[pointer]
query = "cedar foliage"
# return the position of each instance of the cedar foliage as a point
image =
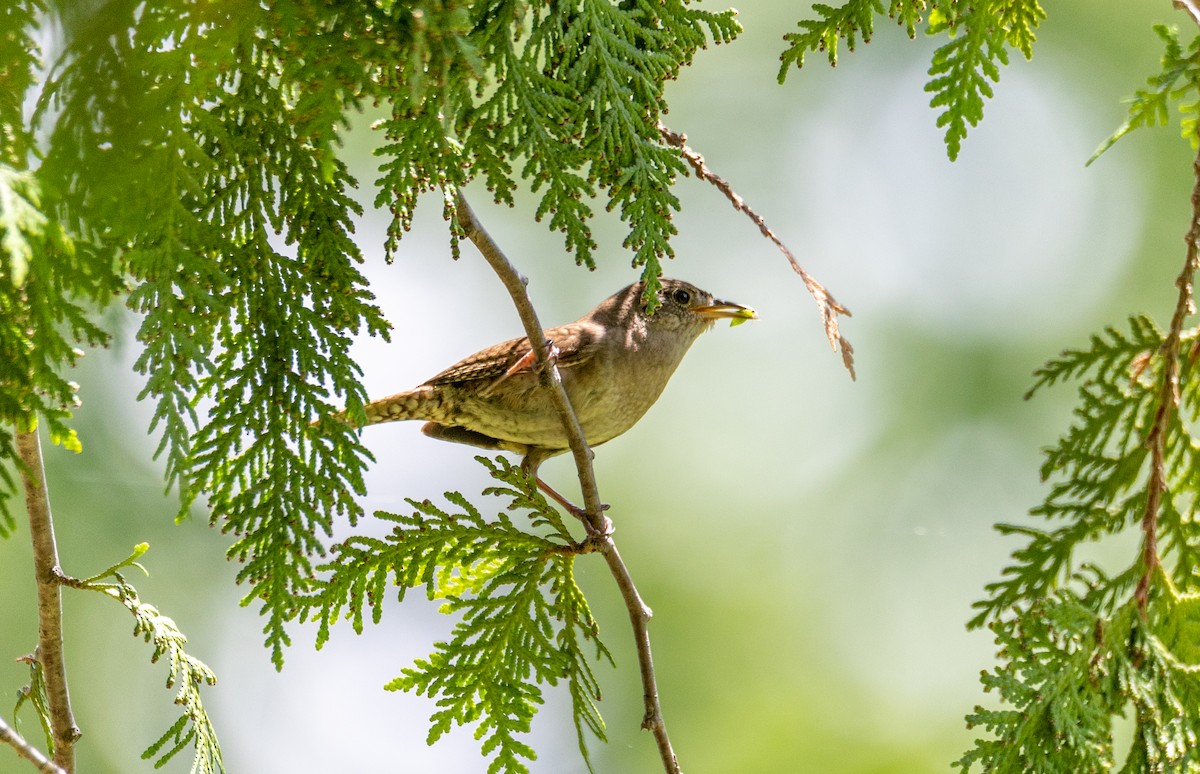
(226, 223)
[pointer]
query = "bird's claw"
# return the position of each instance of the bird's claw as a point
(606, 526)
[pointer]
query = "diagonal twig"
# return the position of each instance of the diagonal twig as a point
(599, 540)
(9, 736)
(826, 303)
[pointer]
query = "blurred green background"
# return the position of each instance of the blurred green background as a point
(811, 546)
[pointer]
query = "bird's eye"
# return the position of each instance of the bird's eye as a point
(681, 296)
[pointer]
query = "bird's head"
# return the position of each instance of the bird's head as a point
(683, 307)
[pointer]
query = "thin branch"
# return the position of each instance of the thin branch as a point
(639, 613)
(9, 736)
(1168, 399)
(826, 303)
(64, 732)
(515, 284)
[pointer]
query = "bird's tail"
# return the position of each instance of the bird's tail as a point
(420, 403)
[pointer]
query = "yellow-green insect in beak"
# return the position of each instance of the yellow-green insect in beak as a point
(726, 310)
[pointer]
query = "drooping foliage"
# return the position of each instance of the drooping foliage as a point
(1079, 643)
(963, 68)
(189, 162)
(523, 622)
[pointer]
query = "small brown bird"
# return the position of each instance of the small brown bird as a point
(614, 361)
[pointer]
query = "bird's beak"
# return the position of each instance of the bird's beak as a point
(722, 310)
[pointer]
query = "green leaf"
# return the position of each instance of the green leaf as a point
(236, 217)
(1020, 20)
(962, 69)
(1075, 647)
(1061, 675)
(522, 620)
(187, 673)
(22, 58)
(1151, 107)
(848, 22)
(35, 694)
(50, 286)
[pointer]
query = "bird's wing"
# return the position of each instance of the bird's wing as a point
(574, 344)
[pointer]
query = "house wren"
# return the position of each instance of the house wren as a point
(614, 361)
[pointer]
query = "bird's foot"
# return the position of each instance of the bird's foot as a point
(596, 537)
(606, 526)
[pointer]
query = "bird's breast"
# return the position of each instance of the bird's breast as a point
(610, 397)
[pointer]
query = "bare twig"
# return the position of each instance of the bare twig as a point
(9, 736)
(826, 303)
(64, 732)
(1168, 399)
(639, 613)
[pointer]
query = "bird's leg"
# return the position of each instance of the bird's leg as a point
(578, 512)
(530, 464)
